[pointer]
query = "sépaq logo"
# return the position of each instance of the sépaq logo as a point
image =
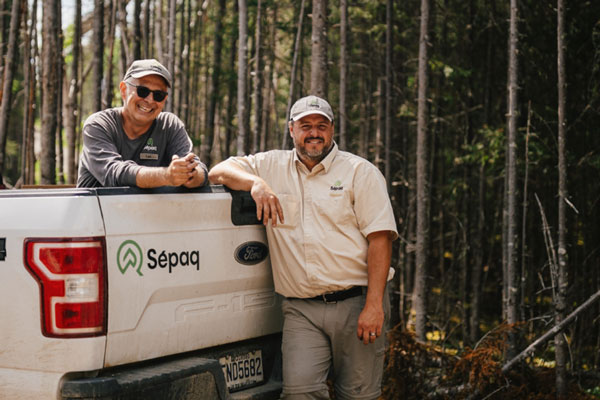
(130, 255)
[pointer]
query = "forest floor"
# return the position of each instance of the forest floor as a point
(422, 371)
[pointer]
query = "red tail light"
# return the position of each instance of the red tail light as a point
(72, 278)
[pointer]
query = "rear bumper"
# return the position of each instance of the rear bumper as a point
(192, 377)
(196, 375)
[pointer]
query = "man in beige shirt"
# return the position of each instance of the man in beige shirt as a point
(330, 227)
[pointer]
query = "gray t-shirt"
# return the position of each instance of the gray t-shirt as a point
(110, 158)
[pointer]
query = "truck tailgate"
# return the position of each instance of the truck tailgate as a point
(32, 364)
(182, 276)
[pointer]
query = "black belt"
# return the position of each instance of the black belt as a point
(334, 297)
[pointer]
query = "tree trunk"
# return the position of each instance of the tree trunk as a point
(126, 55)
(214, 86)
(50, 55)
(318, 65)
(231, 92)
(379, 123)
(137, 31)
(98, 53)
(170, 106)
(71, 103)
(185, 104)
(512, 314)
(146, 34)
(343, 72)
(560, 305)
(389, 84)
(286, 133)
(60, 68)
(420, 289)
(269, 102)
(181, 67)
(108, 85)
(242, 140)
(258, 80)
(28, 103)
(10, 62)
(159, 31)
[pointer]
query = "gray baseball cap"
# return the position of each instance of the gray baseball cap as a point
(311, 105)
(140, 68)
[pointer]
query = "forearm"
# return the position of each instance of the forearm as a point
(151, 177)
(372, 317)
(379, 257)
(232, 175)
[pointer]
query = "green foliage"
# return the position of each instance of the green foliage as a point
(595, 391)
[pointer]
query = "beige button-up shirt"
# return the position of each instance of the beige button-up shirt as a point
(328, 213)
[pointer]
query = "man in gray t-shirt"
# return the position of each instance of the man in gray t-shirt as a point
(138, 144)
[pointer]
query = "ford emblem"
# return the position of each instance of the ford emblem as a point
(251, 253)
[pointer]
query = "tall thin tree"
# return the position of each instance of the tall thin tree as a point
(50, 88)
(10, 62)
(146, 34)
(60, 68)
(98, 52)
(389, 84)
(137, 30)
(511, 278)
(343, 72)
(258, 79)
(71, 105)
(107, 92)
(561, 298)
(214, 86)
(318, 65)
(285, 138)
(170, 106)
(29, 91)
(242, 140)
(420, 288)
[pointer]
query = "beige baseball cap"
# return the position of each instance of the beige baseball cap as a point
(311, 105)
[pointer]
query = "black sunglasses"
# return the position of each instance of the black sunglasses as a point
(143, 92)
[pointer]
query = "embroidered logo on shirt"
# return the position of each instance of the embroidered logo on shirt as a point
(150, 151)
(337, 186)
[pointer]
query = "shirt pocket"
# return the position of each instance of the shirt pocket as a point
(335, 209)
(291, 210)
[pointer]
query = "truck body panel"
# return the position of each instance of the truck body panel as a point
(181, 277)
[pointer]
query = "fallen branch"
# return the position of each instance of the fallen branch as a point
(551, 333)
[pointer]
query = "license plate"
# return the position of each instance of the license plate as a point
(242, 370)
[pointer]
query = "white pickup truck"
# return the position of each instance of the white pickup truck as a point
(123, 293)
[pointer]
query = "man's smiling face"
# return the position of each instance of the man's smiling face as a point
(142, 111)
(313, 138)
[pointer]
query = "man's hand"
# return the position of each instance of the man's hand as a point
(379, 255)
(182, 170)
(370, 323)
(267, 203)
(230, 174)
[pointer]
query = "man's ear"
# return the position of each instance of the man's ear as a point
(123, 89)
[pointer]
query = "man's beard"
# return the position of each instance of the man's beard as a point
(314, 155)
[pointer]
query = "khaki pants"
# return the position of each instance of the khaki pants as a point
(320, 341)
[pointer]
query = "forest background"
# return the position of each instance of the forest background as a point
(482, 115)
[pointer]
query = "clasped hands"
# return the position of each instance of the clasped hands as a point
(182, 170)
